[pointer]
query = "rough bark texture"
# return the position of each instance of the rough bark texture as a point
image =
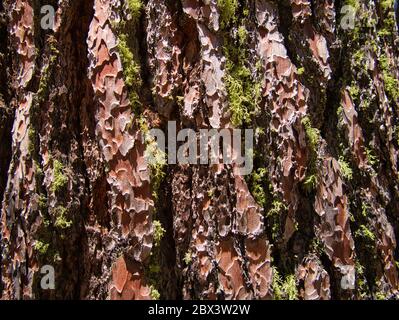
(317, 218)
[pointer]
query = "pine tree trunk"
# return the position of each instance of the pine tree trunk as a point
(317, 218)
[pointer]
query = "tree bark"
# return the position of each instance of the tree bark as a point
(318, 216)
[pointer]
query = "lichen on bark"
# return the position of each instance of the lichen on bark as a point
(317, 218)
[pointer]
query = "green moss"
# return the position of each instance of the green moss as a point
(130, 68)
(365, 209)
(46, 71)
(354, 91)
(32, 139)
(159, 232)
(273, 217)
(154, 293)
(188, 257)
(312, 134)
(131, 71)
(354, 33)
(391, 86)
(237, 98)
(61, 220)
(284, 289)
(371, 157)
(317, 246)
(365, 233)
(301, 71)
(135, 7)
(242, 35)
(156, 160)
(155, 157)
(41, 247)
(391, 83)
(388, 22)
(153, 270)
(289, 287)
(42, 203)
(310, 183)
(362, 287)
(243, 91)
(257, 183)
(379, 295)
(386, 4)
(346, 170)
(227, 10)
(353, 3)
(60, 180)
(313, 140)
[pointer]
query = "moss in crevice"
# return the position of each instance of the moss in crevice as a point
(257, 186)
(284, 288)
(372, 159)
(135, 8)
(227, 10)
(188, 257)
(127, 44)
(131, 72)
(346, 170)
(41, 247)
(390, 81)
(387, 24)
(61, 220)
(59, 179)
(313, 140)
(153, 270)
(159, 232)
(242, 80)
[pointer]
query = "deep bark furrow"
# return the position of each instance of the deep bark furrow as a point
(316, 218)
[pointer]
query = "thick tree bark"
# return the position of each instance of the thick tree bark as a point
(317, 218)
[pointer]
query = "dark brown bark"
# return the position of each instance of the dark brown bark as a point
(317, 218)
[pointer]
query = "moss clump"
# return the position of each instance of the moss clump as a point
(353, 3)
(300, 71)
(361, 283)
(240, 100)
(365, 209)
(313, 139)
(365, 233)
(156, 160)
(312, 134)
(371, 157)
(154, 293)
(257, 188)
(131, 71)
(42, 202)
(61, 220)
(159, 232)
(273, 216)
(244, 92)
(284, 289)
(358, 57)
(188, 257)
(154, 269)
(310, 182)
(135, 7)
(354, 91)
(379, 295)
(41, 247)
(388, 23)
(60, 180)
(242, 35)
(32, 139)
(391, 83)
(346, 170)
(227, 10)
